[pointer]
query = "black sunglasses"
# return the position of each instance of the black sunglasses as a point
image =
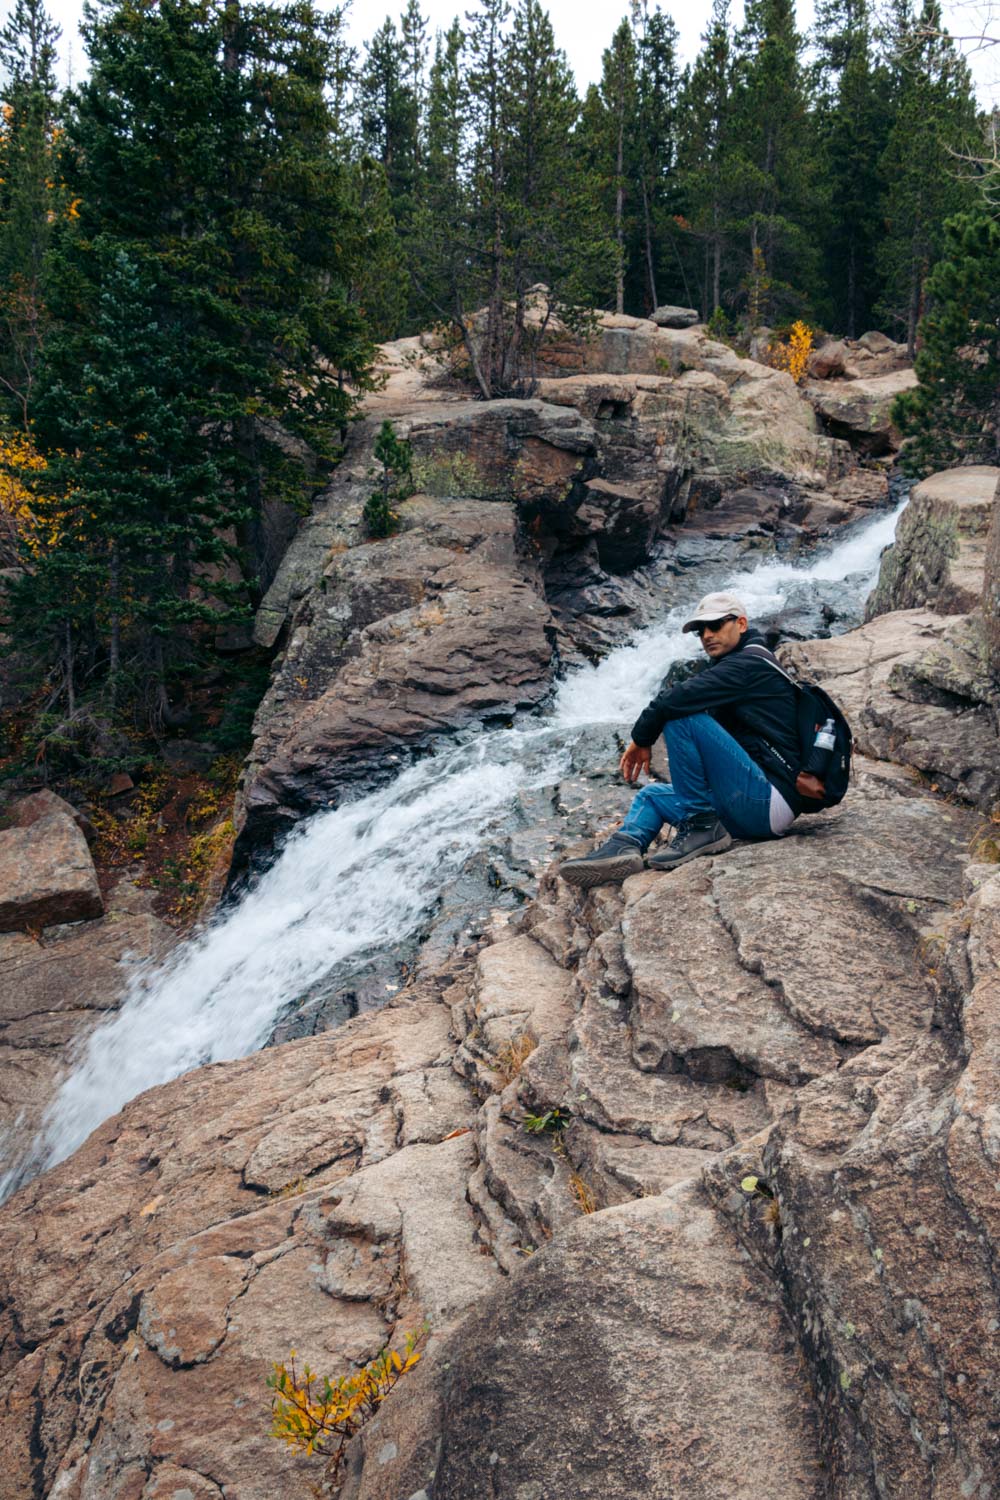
(713, 625)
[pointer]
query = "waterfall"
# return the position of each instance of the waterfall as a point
(369, 872)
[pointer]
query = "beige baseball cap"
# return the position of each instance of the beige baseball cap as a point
(715, 607)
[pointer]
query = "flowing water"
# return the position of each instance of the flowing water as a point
(370, 872)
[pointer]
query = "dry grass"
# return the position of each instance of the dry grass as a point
(290, 1190)
(585, 1200)
(513, 1055)
(985, 848)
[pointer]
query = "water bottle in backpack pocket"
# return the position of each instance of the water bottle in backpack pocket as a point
(825, 739)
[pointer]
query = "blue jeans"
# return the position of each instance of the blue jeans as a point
(711, 773)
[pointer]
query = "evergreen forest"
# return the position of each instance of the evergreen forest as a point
(203, 241)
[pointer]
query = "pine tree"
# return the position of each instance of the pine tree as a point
(935, 118)
(619, 95)
(413, 28)
(775, 159)
(130, 508)
(707, 178)
(484, 91)
(854, 124)
(438, 257)
(199, 148)
(29, 198)
(953, 415)
(658, 85)
(389, 115)
(380, 285)
(547, 206)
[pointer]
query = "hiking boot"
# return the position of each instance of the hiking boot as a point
(702, 834)
(620, 857)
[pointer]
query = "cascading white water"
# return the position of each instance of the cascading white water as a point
(369, 872)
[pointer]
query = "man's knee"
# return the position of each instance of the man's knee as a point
(692, 724)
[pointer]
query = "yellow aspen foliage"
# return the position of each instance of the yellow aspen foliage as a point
(18, 521)
(311, 1414)
(793, 354)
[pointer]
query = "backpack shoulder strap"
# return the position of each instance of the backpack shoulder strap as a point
(761, 653)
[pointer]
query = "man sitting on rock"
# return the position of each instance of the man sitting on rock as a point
(732, 741)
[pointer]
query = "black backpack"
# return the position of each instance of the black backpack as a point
(815, 706)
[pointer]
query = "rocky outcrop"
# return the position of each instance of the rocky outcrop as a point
(399, 642)
(938, 556)
(610, 1310)
(46, 874)
(917, 691)
(514, 552)
(872, 355)
(54, 988)
(859, 410)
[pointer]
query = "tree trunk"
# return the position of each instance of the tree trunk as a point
(650, 262)
(716, 259)
(70, 668)
(620, 214)
(991, 592)
(114, 649)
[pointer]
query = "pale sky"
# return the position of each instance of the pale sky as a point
(583, 28)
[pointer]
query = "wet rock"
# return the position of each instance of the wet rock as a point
(813, 610)
(938, 556)
(46, 875)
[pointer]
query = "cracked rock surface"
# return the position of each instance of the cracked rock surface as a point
(610, 1311)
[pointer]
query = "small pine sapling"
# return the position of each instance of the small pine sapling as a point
(394, 482)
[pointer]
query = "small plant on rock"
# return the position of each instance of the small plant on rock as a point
(553, 1121)
(316, 1415)
(394, 482)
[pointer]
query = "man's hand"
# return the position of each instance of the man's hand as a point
(808, 785)
(634, 760)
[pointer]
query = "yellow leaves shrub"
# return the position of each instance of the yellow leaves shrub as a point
(793, 354)
(316, 1415)
(17, 518)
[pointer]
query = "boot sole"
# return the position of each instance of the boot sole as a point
(659, 862)
(587, 872)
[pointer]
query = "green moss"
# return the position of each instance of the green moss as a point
(453, 475)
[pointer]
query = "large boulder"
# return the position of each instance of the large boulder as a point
(53, 991)
(400, 641)
(46, 875)
(938, 556)
(827, 362)
(860, 410)
(674, 317)
(916, 689)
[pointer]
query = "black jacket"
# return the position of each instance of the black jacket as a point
(756, 704)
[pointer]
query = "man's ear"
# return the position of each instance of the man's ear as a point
(743, 623)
